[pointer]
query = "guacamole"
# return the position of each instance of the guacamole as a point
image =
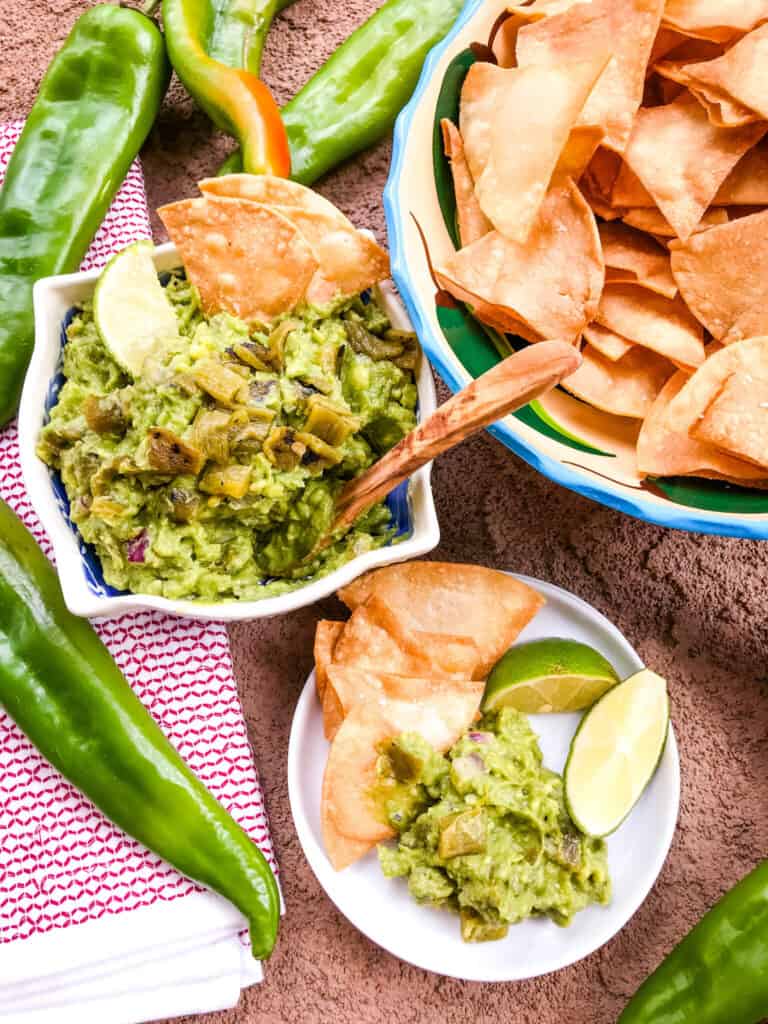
(217, 468)
(483, 830)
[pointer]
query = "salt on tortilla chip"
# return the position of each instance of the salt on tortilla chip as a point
(440, 718)
(747, 184)
(663, 451)
(721, 274)
(349, 260)
(452, 601)
(624, 28)
(606, 342)
(749, 357)
(736, 420)
(538, 104)
(366, 644)
(472, 222)
(664, 325)
(631, 256)
(655, 223)
(741, 73)
(719, 20)
(682, 159)
(551, 283)
(353, 686)
(326, 635)
(626, 387)
(243, 257)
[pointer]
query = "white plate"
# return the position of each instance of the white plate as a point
(382, 908)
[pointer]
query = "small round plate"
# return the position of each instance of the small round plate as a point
(429, 938)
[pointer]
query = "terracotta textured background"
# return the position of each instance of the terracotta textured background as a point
(694, 607)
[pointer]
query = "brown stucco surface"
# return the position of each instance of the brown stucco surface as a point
(694, 607)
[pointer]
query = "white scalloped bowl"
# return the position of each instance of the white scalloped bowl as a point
(85, 591)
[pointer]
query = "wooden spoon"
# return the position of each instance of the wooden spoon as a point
(511, 384)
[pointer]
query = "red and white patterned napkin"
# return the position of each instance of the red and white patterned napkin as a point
(63, 867)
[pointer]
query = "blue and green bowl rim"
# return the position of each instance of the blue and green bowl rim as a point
(436, 346)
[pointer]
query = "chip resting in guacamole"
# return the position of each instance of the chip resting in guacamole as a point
(217, 466)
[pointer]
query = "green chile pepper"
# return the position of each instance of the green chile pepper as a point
(237, 31)
(58, 682)
(354, 98)
(719, 972)
(96, 105)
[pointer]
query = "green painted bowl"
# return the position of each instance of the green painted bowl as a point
(579, 447)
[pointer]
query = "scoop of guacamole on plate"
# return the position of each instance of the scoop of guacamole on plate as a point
(216, 468)
(483, 830)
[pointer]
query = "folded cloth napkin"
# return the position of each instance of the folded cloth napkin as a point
(94, 927)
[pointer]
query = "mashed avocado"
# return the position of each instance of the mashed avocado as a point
(218, 466)
(484, 831)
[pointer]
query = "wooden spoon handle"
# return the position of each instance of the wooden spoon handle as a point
(514, 382)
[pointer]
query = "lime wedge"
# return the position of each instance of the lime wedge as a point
(549, 675)
(130, 307)
(615, 753)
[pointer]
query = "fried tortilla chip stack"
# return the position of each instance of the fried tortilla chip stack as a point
(611, 182)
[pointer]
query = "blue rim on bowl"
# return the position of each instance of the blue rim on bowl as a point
(560, 437)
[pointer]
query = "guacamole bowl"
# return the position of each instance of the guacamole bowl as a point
(86, 592)
(575, 445)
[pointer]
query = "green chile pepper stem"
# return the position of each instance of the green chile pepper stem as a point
(58, 682)
(354, 98)
(718, 974)
(96, 105)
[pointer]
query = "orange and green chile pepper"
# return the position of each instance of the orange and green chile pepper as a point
(59, 683)
(234, 98)
(719, 972)
(353, 100)
(96, 105)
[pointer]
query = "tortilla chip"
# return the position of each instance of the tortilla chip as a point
(626, 387)
(447, 601)
(352, 686)
(540, 8)
(349, 261)
(333, 712)
(655, 223)
(624, 28)
(472, 222)
(598, 180)
(747, 184)
(607, 343)
(366, 644)
(628, 191)
(663, 451)
(326, 635)
(551, 283)
(631, 256)
(579, 151)
(682, 159)
(736, 420)
(243, 258)
(666, 40)
(748, 357)
(653, 321)
(741, 74)
(722, 110)
(341, 851)
(538, 104)
(440, 717)
(721, 274)
(272, 191)
(720, 20)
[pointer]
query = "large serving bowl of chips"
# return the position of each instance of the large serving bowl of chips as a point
(565, 435)
(414, 522)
